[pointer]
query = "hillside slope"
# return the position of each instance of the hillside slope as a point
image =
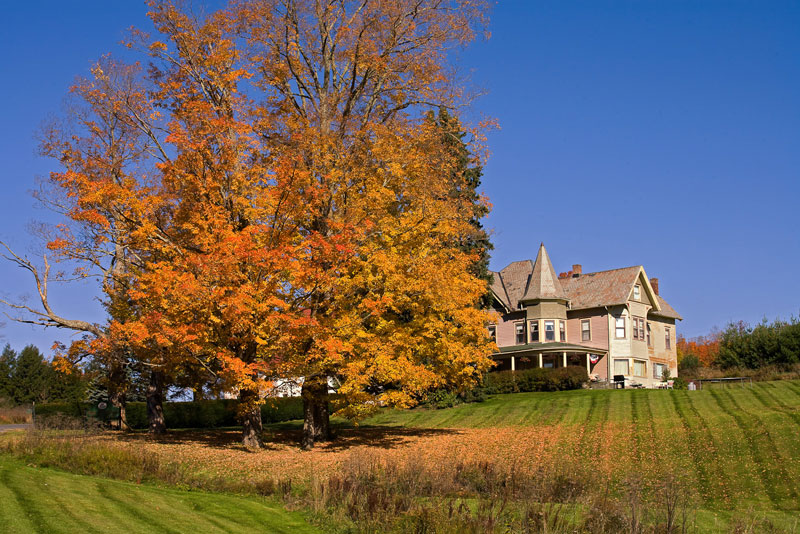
(739, 446)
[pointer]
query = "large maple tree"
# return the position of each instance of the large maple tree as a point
(282, 206)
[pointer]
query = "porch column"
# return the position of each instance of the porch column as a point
(565, 359)
(540, 360)
(588, 364)
(513, 364)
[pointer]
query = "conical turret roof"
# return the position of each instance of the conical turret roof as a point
(544, 284)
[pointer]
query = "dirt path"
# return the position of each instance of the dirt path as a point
(3, 428)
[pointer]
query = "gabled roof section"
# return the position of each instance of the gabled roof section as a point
(666, 310)
(499, 290)
(544, 284)
(606, 288)
(515, 278)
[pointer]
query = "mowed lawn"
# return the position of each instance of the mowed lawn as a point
(740, 446)
(43, 500)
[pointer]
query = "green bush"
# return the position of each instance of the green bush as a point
(442, 398)
(200, 414)
(689, 364)
(540, 379)
(679, 383)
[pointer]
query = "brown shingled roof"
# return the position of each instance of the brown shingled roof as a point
(605, 288)
(515, 278)
(543, 283)
(666, 310)
(590, 290)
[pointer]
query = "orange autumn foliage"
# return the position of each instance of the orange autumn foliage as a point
(282, 205)
(705, 348)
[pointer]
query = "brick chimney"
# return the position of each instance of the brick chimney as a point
(654, 283)
(577, 270)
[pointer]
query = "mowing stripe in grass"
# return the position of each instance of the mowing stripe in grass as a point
(109, 492)
(763, 470)
(654, 451)
(778, 406)
(29, 505)
(13, 514)
(65, 519)
(694, 448)
(761, 431)
(637, 442)
(794, 387)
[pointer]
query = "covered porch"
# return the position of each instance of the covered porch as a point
(548, 355)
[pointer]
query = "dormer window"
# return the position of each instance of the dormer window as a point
(637, 292)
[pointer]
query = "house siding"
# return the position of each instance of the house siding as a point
(598, 324)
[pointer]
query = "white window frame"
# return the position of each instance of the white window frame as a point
(667, 338)
(493, 332)
(637, 292)
(586, 333)
(551, 332)
(617, 321)
(562, 331)
(531, 326)
(519, 328)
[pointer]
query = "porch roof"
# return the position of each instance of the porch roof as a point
(549, 347)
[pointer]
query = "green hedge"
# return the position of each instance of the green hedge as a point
(540, 379)
(200, 414)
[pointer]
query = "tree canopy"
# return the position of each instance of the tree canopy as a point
(268, 198)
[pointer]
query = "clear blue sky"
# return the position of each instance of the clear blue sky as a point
(665, 134)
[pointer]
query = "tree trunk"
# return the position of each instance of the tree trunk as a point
(118, 400)
(316, 419)
(251, 420)
(155, 400)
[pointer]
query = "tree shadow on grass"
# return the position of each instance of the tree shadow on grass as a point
(279, 436)
(347, 437)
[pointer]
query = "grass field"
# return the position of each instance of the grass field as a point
(740, 445)
(738, 450)
(40, 500)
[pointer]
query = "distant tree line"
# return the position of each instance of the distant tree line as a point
(27, 377)
(745, 346)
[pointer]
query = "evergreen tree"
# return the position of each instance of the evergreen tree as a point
(478, 241)
(7, 361)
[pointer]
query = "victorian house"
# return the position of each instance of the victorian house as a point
(613, 322)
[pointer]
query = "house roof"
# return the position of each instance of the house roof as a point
(521, 281)
(550, 347)
(514, 278)
(604, 288)
(666, 310)
(543, 282)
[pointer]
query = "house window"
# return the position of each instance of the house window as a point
(586, 330)
(638, 328)
(534, 329)
(640, 368)
(562, 330)
(658, 370)
(649, 340)
(520, 329)
(549, 330)
(621, 367)
(667, 339)
(619, 328)
(493, 332)
(637, 292)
